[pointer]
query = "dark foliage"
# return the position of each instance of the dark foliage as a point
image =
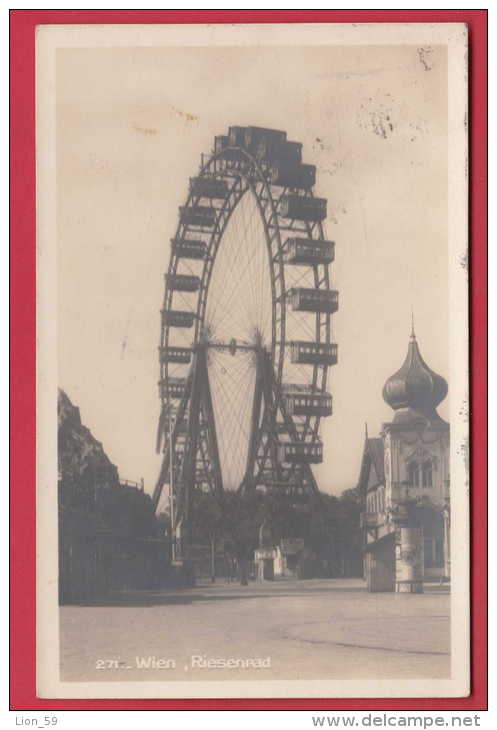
(330, 526)
(108, 532)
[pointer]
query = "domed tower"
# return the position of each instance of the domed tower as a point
(416, 453)
(415, 390)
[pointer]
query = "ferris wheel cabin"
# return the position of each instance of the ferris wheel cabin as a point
(197, 215)
(189, 248)
(172, 388)
(298, 452)
(236, 136)
(269, 147)
(178, 355)
(220, 143)
(208, 187)
(293, 176)
(313, 353)
(254, 137)
(270, 144)
(183, 282)
(299, 251)
(288, 153)
(312, 210)
(299, 403)
(313, 300)
(175, 318)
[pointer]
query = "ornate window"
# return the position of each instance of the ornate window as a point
(427, 474)
(413, 474)
(420, 474)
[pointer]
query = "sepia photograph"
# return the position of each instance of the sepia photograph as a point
(253, 438)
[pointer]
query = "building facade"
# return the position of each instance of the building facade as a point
(405, 482)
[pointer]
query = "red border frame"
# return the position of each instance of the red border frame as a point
(23, 331)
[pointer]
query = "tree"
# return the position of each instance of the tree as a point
(349, 533)
(208, 523)
(329, 526)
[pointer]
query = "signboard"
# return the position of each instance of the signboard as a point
(292, 545)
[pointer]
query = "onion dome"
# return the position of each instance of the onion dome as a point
(415, 391)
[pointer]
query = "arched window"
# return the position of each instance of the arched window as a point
(413, 474)
(427, 477)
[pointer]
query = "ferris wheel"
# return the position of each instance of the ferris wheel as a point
(246, 337)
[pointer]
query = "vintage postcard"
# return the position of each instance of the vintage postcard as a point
(252, 394)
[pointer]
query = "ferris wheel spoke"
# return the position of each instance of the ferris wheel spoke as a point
(253, 235)
(233, 285)
(187, 266)
(188, 304)
(235, 449)
(233, 433)
(248, 249)
(243, 241)
(254, 263)
(243, 274)
(302, 325)
(214, 301)
(238, 321)
(234, 292)
(304, 277)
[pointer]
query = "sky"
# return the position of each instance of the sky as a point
(131, 126)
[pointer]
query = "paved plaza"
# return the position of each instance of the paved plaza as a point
(316, 629)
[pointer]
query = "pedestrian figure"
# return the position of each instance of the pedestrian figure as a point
(230, 568)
